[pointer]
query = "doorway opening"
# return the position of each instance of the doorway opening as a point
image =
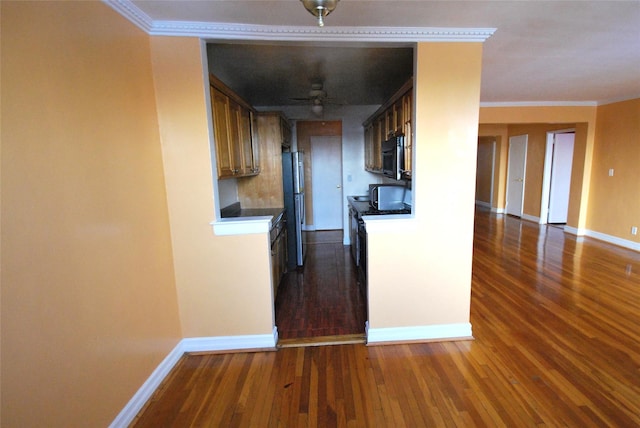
(321, 302)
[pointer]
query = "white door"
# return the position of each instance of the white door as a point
(326, 173)
(516, 174)
(561, 163)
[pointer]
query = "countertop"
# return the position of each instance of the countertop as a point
(359, 205)
(362, 205)
(235, 211)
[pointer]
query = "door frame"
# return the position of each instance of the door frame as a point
(546, 174)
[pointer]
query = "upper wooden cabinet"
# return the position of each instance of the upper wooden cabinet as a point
(392, 118)
(273, 132)
(237, 152)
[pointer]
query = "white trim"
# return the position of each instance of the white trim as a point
(529, 217)
(132, 12)
(618, 100)
(497, 210)
(230, 343)
(140, 398)
(546, 177)
(483, 204)
(539, 104)
(575, 231)
(194, 344)
(635, 246)
(242, 225)
(237, 31)
(461, 331)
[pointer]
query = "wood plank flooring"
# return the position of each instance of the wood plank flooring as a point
(322, 299)
(556, 322)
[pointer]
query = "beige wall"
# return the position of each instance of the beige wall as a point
(88, 298)
(426, 280)
(584, 117)
(223, 282)
(606, 137)
(614, 206)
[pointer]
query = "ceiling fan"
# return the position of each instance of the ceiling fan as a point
(317, 98)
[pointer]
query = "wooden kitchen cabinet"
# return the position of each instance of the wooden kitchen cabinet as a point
(407, 111)
(272, 134)
(237, 153)
(393, 117)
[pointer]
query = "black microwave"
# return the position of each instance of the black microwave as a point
(393, 157)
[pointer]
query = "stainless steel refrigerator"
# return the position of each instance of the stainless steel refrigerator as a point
(293, 186)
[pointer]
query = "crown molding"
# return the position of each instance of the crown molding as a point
(539, 104)
(132, 12)
(232, 31)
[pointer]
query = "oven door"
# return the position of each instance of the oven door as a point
(353, 236)
(362, 257)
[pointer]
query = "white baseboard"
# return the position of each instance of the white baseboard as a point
(575, 231)
(140, 398)
(440, 332)
(531, 218)
(230, 343)
(192, 344)
(497, 210)
(483, 204)
(635, 246)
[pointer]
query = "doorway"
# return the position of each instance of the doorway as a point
(556, 182)
(516, 173)
(326, 172)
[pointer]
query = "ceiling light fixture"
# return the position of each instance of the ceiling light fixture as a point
(317, 107)
(320, 8)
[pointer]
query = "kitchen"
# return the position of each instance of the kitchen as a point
(340, 117)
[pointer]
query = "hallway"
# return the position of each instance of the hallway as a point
(323, 298)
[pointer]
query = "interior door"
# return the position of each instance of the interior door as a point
(561, 164)
(516, 174)
(326, 173)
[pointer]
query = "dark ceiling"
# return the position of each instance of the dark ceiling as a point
(273, 75)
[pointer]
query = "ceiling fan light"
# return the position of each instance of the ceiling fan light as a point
(317, 109)
(320, 8)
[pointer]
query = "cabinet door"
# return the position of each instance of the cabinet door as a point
(250, 159)
(221, 131)
(379, 132)
(235, 120)
(368, 147)
(407, 109)
(285, 129)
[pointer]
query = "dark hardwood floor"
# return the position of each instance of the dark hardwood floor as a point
(322, 298)
(556, 322)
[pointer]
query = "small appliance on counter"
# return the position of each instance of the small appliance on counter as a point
(387, 197)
